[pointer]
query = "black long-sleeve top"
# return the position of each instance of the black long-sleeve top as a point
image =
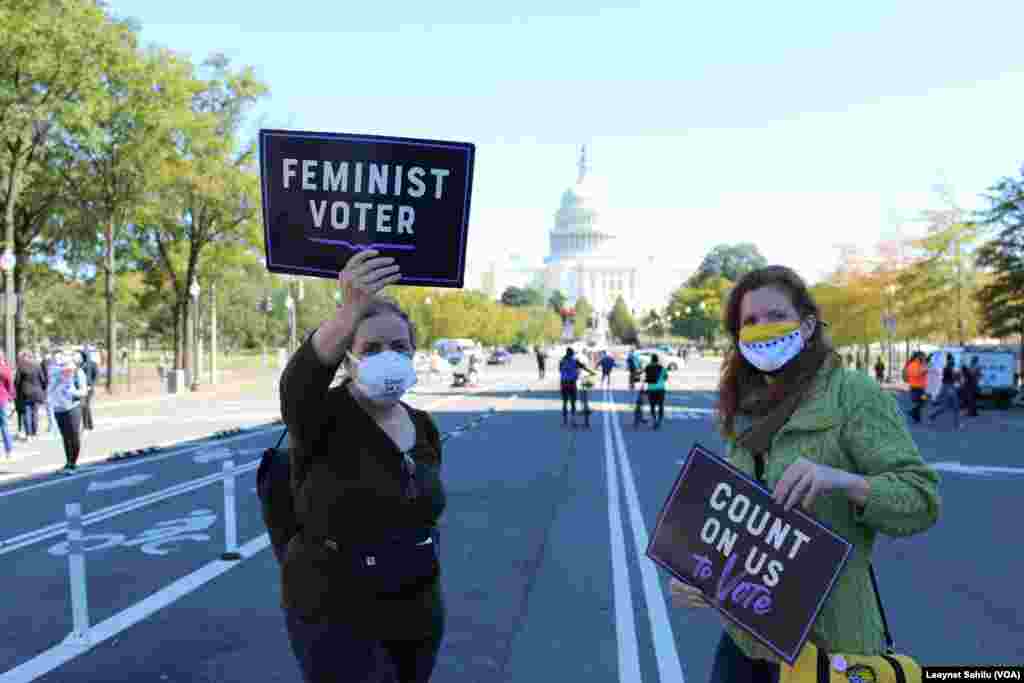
(347, 480)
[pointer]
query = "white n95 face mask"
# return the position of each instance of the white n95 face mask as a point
(384, 377)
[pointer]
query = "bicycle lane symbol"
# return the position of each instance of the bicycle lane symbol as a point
(152, 540)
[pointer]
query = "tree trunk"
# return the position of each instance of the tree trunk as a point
(186, 350)
(20, 277)
(13, 190)
(111, 322)
(179, 317)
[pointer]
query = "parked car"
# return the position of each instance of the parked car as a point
(671, 361)
(518, 348)
(500, 357)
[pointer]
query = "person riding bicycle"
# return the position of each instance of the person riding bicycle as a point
(655, 377)
(570, 367)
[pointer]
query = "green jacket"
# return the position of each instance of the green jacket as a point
(848, 422)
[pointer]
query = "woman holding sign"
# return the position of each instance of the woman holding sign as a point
(820, 436)
(360, 581)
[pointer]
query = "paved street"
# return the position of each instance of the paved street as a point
(542, 544)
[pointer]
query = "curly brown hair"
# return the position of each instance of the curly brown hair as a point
(736, 371)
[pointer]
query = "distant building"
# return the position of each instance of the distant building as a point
(587, 259)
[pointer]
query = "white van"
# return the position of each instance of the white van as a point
(997, 371)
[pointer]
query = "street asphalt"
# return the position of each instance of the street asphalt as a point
(543, 544)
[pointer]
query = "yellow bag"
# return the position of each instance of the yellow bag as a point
(814, 666)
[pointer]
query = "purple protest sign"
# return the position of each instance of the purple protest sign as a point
(327, 196)
(768, 570)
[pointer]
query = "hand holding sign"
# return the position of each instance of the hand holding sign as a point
(805, 480)
(364, 276)
(685, 595)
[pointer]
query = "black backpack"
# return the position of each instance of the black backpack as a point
(273, 486)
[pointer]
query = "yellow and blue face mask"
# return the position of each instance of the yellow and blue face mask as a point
(769, 346)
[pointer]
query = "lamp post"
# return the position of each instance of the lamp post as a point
(213, 333)
(194, 332)
(289, 303)
(7, 264)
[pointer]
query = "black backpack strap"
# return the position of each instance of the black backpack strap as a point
(283, 433)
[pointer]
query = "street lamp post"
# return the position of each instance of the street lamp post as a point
(193, 332)
(213, 334)
(7, 264)
(289, 303)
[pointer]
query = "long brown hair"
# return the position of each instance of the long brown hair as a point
(736, 371)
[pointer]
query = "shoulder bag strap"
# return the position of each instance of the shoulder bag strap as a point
(890, 644)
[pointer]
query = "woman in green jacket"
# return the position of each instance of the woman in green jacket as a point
(821, 436)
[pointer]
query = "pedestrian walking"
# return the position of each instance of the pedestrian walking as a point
(781, 381)
(30, 385)
(361, 587)
(47, 364)
(948, 398)
(916, 377)
(633, 368)
(607, 364)
(879, 370)
(655, 377)
(92, 372)
(7, 394)
(64, 395)
(542, 361)
(971, 381)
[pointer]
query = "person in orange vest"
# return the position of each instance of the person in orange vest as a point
(916, 375)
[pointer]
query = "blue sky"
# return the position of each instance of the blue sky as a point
(796, 125)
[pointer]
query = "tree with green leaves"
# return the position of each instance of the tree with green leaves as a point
(582, 320)
(729, 261)
(1001, 297)
(621, 323)
(51, 59)
(114, 157)
(557, 301)
(208, 191)
(521, 296)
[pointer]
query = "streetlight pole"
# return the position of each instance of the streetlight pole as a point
(193, 336)
(7, 263)
(213, 334)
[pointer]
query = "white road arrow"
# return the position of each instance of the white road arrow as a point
(977, 470)
(131, 480)
(213, 455)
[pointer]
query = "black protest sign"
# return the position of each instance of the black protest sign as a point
(327, 196)
(768, 570)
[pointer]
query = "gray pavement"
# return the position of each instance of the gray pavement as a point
(544, 571)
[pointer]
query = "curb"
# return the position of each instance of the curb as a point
(119, 456)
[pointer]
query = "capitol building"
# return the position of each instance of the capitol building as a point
(586, 258)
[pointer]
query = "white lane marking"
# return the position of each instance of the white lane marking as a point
(213, 455)
(147, 460)
(625, 619)
(977, 470)
(669, 669)
(28, 538)
(67, 650)
(130, 480)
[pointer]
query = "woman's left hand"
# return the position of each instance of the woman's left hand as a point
(804, 481)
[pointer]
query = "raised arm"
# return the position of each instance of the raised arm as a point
(308, 375)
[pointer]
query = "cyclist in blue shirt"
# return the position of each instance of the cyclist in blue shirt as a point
(570, 367)
(607, 363)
